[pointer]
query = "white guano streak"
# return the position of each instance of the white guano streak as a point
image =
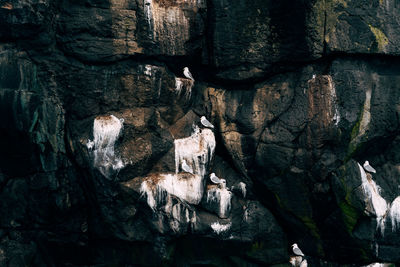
(242, 187)
(336, 115)
(189, 189)
(186, 85)
(197, 149)
(106, 130)
(220, 228)
(372, 191)
(395, 214)
(222, 197)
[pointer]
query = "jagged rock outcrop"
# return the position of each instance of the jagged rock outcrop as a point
(104, 159)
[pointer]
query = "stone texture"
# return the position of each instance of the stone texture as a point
(299, 94)
(253, 43)
(374, 24)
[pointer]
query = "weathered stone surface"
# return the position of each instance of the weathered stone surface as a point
(122, 29)
(360, 27)
(15, 251)
(24, 19)
(252, 43)
(104, 159)
(173, 28)
(110, 36)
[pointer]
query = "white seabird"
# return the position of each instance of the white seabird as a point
(296, 250)
(368, 167)
(186, 167)
(215, 179)
(206, 123)
(187, 73)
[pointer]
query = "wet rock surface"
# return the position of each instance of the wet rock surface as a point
(105, 159)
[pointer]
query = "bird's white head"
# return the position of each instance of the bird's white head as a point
(185, 69)
(366, 162)
(294, 245)
(212, 174)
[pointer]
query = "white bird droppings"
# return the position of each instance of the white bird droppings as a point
(395, 214)
(222, 198)
(197, 150)
(242, 187)
(220, 228)
(106, 130)
(372, 191)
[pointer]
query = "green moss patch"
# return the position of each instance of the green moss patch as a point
(380, 37)
(350, 216)
(311, 225)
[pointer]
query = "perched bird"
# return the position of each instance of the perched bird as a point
(187, 73)
(215, 179)
(296, 250)
(186, 167)
(206, 123)
(368, 167)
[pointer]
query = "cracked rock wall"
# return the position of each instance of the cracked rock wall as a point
(104, 159)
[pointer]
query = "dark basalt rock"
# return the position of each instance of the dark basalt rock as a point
(252, 44)
(94, 107)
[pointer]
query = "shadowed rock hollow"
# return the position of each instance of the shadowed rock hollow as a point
(104, 160)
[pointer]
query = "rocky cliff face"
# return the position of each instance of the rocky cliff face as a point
(104, 159)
